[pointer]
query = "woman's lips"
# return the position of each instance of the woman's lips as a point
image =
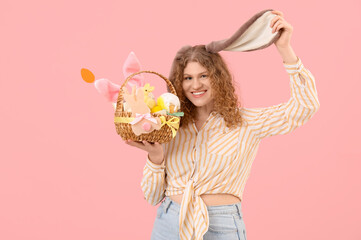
(199, 95)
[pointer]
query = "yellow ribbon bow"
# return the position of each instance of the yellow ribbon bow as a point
(173, 123)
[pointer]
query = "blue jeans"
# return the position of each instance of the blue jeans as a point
(225, 222)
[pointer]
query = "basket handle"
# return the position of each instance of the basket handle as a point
(120, 95)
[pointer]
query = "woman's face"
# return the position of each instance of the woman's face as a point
(197, 85)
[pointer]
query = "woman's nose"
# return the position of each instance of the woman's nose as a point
(196, 83)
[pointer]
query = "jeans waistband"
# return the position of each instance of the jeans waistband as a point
(168, 203)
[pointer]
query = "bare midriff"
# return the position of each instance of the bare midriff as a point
(211, 199)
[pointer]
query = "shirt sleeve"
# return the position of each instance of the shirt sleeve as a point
(153, 182)
(286, 117)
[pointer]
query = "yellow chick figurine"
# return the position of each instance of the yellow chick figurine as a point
(156, 109)
(148, 96)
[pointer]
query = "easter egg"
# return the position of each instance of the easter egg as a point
(169, 102)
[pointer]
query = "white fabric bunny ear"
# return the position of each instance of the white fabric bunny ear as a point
(255, 34)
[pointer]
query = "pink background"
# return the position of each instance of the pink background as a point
(66, 174)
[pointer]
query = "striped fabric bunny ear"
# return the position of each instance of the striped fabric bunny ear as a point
(253, 35)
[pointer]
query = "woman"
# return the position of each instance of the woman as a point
(201, 173)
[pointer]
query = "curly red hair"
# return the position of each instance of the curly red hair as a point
(225, 102)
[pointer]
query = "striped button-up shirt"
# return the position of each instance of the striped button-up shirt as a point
(216, 159)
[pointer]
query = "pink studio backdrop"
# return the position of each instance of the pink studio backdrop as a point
(66, 174)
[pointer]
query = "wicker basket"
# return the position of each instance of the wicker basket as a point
(164, 134)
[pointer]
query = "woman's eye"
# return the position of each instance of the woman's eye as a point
(186, 78)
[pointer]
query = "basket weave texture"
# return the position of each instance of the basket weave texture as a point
(164, 134)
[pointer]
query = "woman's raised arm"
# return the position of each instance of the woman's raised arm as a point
(286, 117)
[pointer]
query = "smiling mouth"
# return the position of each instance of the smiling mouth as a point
(199, 93)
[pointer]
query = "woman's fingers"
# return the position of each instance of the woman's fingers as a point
(142, 145)
(275, 20)
(154, 149)
(148, 145)
(145, 143)
(135, 144)
(277, 26)
(277, 12)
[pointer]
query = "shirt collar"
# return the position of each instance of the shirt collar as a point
(211, 114)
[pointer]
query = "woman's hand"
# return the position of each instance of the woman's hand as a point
(277, 23)
(155, 150)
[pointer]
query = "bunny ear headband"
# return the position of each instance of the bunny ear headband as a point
(253, 35)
